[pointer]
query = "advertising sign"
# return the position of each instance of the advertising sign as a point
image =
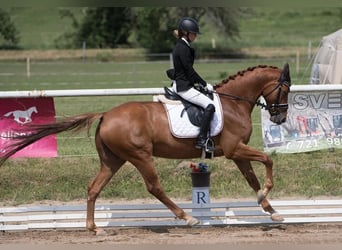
(16, 114)
(314, 122)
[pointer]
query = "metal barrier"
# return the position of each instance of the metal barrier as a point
(149, 215)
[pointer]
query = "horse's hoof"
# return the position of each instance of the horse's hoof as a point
(277, 217)
(260, 196)
(192, 221)
(100, 232)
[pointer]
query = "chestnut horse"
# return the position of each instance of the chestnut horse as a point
(135, 132)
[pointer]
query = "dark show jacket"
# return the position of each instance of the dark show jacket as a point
(183, 61)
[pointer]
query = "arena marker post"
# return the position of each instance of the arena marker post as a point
(200, 177)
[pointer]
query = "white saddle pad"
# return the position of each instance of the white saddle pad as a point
(181, 126)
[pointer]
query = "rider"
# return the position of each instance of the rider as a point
(185, 76)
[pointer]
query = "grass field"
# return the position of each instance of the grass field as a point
(66, 177)
(135, 74)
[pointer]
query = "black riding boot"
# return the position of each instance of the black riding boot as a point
(203, 134)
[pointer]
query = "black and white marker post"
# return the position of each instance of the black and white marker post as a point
(200, 177)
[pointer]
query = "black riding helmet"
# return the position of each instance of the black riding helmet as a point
(188, 24)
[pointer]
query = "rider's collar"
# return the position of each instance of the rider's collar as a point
(186, 41)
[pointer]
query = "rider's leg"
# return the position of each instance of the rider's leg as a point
(196, 97)
(205, 125)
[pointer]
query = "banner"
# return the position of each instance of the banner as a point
(314, 122)
(16, 114)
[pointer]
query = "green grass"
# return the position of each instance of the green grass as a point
(66, 177)
(40, 27)
(287, 28)
(92, 74)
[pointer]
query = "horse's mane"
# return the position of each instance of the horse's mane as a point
(242, 72)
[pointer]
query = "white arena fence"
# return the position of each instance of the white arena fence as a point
(132, 91)
(50, 217)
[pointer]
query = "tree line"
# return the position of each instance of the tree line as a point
(112, 27)
(8, 30)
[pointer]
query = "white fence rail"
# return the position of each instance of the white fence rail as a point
(131, 91)
(148, 215)
(81, 92)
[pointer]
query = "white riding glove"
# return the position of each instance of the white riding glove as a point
(209, 87)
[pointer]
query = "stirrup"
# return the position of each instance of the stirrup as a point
(208, 149)
(201, 143)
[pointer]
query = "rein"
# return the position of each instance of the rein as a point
(258, 103)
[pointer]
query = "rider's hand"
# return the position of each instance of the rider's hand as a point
(209, 87)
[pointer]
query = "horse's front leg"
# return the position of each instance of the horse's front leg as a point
(243, 157)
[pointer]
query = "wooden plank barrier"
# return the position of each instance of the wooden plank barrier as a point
(148, 215)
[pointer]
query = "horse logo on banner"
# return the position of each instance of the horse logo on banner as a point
(22, 116)
(18, 116)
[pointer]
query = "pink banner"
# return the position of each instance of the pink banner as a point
(16, 114)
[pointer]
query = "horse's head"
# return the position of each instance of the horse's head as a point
(276, 96)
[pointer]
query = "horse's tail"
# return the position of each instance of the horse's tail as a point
(39, 131)
(8, 114)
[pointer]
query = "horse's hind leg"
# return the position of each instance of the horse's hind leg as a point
(146, 167)
(109, 165)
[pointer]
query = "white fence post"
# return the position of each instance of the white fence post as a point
(28, 68)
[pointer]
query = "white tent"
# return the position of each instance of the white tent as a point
(327, 66)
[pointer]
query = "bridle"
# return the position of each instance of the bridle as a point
(272, 108)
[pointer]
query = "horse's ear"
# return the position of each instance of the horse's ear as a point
(285, 74)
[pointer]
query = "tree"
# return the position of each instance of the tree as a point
(154, 26)
(103, 27)
(8, 30)
(68, 39)
(224, 19)
(147, 27)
